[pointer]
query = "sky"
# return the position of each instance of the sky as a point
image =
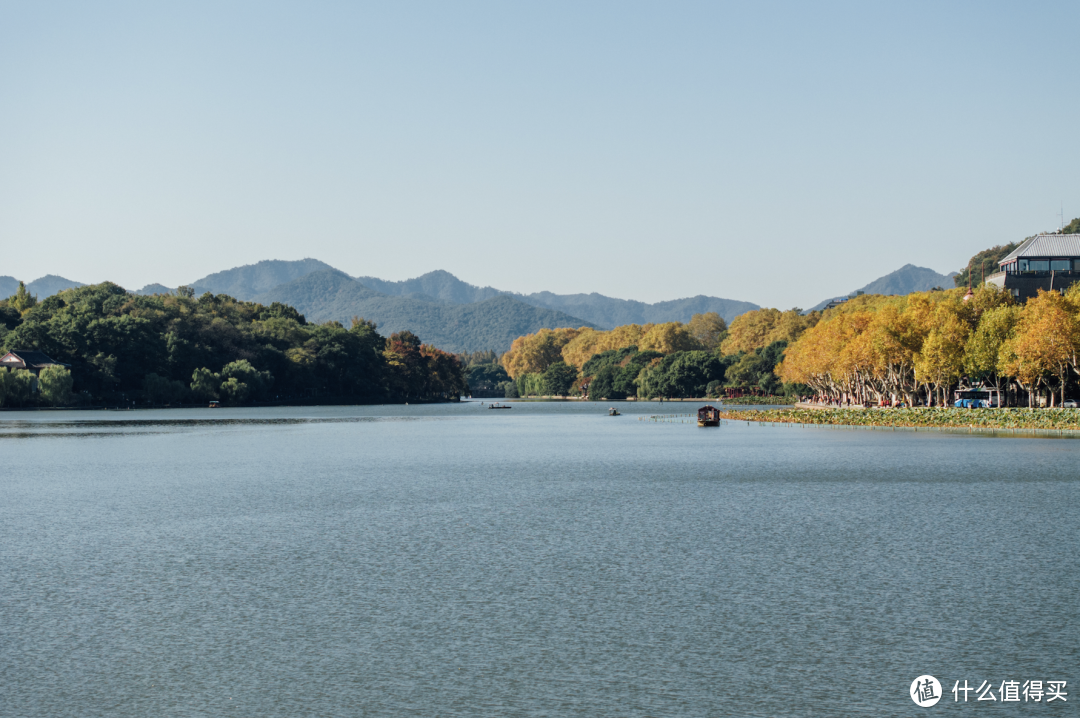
(778, 153)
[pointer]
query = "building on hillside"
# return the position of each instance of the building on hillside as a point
(1050, 262)
(35, 361)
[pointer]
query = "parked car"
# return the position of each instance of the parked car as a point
(1070, 404)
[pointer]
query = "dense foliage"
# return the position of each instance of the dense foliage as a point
(919, 347)
(613, 373)
(657, 360)
(755, 368)
(760, 328)
(983, 264)
(175, 348)
(487, 380)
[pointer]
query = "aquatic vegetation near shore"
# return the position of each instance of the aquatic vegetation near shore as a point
(755, 400)
(942, 418)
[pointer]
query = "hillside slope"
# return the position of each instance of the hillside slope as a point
(440, 285)
(595, 308)
(491, 324)
(608, 312)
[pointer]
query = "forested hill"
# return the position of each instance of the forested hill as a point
(252, 279)
(608, 312)
(169, 349)
(438, 306)
(490, 324)
(439, 285)
(594, 308)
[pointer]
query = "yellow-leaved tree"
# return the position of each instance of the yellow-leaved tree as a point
(590, 342)
(534, 353)
(1044, 344)
(667, 338)
(761, 327)
(940, 362)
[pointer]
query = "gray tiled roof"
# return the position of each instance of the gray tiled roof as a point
(1046, 245)
(34, 358)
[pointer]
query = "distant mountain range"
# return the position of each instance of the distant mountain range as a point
(449, 313)
(47, 286)
(905, 280)
(489, 324)
(438, 307)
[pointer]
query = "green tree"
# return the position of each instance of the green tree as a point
(15, 387)
(602, 385)
(983, 264)
(54, 385)
(160, 390)
(531, 384)
(485, 379)
(22, 301)
(241, 382)
(558, 379)
(9, 316)
(205, 384)
(682, 374)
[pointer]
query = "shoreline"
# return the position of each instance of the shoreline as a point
(1011, 422)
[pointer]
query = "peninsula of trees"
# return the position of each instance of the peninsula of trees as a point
(178, 348)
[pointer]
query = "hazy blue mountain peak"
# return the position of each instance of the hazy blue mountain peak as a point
(489, 324)
(155, 289)
(439, 284)
(905, 280)
(251, 279)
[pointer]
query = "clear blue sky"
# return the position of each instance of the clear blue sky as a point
(772, 152)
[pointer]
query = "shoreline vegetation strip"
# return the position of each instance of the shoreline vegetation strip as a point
(919, 418)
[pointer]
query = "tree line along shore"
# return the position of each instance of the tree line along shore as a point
(115, 348)
(898, 351)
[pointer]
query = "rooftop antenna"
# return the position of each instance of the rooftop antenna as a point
(1061, 215)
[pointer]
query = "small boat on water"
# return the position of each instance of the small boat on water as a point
(499, 406)
(613, 412)
(708, 415)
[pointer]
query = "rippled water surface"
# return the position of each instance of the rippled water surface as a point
(545, 561)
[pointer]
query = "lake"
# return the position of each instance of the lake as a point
(548, 560)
